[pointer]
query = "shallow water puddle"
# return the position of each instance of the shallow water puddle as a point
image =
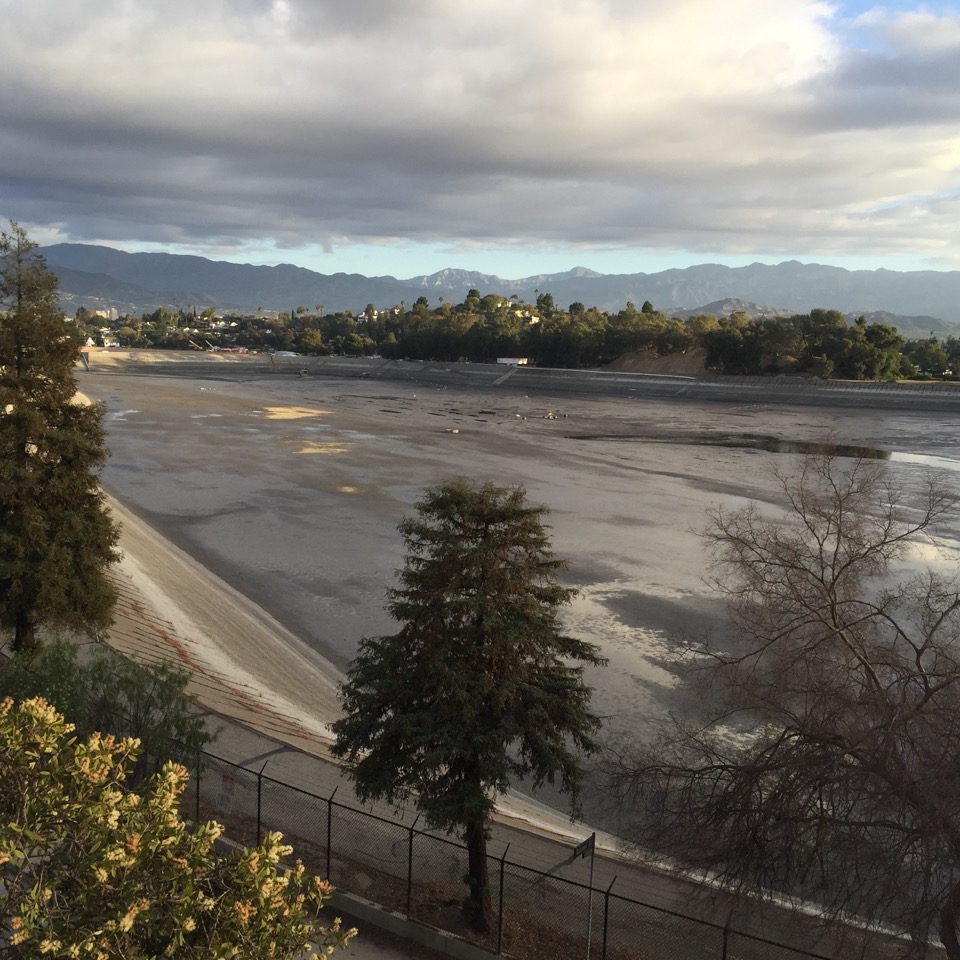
(752, 441)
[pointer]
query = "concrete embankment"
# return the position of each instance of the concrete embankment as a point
(944, 397)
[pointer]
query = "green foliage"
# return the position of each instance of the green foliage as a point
(734, 348)
(480, 687)
(93, 869)
(56, 537)
(311, 341)
(53, 673)
(545, 304)
(866, 352)
(110, 693)
(929, 356)
(481, 329)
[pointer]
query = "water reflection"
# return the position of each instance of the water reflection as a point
(926, 460)
(758, 441)
(768, 444)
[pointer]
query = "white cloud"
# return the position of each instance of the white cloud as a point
(738, 127)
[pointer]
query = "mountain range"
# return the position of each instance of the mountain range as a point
(918, 303)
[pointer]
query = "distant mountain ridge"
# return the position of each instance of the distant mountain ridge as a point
(731, 305)
(916, 302)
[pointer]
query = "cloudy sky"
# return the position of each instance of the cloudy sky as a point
(511, 136)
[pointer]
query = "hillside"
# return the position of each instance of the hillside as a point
(689, 364)
(917, 303)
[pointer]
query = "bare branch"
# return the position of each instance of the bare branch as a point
(826, 764)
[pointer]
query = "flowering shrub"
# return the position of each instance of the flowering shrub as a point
(92, 869)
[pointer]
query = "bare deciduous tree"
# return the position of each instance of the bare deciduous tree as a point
(826, 763)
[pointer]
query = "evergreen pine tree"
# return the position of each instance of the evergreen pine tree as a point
(56, 536)
(480, 687)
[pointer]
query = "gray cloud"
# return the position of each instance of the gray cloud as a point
(751, 127)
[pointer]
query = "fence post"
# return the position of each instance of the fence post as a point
(503, 861)
(593, 860)
(199, 768)
(726, 935)
(259, 796)
(330, 826)
(606, 917)
(410, 864)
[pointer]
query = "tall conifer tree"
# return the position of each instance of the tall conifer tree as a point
(56, 536)
(480, 687)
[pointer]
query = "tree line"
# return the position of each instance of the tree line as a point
(482, 329)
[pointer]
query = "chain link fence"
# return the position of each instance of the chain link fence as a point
(420, 875)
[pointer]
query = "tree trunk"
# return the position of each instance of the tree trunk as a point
(24, 637)
(950, 923)
(477, 905)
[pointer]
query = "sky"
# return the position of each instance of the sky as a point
(513, 137)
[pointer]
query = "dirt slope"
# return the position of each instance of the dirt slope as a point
(689, 364)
